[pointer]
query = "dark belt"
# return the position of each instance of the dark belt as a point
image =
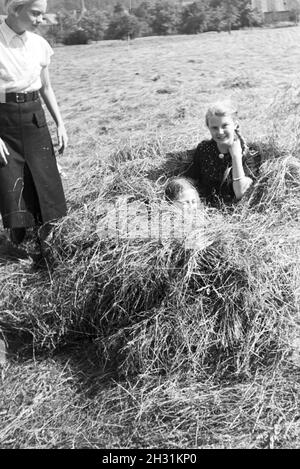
(21, 97)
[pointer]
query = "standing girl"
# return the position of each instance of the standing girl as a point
(31, 191)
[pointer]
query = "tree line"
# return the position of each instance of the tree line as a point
(150, 18)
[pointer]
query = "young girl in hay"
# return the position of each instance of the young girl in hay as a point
(198, 220)
(224, 167)
(31, 191)
(183, 193)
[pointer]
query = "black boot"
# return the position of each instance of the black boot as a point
(17, 235)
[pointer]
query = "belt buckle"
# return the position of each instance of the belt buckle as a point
(20, 98)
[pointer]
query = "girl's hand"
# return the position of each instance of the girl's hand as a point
(235, 149)
(62, 138)
(3, 153)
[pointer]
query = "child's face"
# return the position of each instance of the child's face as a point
(188, 199)
(30, 15)
(222, 129)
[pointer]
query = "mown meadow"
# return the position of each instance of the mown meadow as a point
(144, 343)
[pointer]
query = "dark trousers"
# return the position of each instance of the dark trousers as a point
(31, 191)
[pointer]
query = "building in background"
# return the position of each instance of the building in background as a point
(277, 10)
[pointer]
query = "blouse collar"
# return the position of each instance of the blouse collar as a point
(9, 33)
(221, 156)
(243, 145)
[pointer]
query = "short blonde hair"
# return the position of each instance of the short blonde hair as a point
(220, 109)
(12, 5)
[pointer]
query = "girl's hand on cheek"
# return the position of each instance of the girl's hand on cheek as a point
(235, 149)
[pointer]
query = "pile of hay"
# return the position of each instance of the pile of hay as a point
(229, 305)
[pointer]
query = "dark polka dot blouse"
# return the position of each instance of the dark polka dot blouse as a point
(212, 171)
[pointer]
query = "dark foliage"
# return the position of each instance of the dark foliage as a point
(123, 20)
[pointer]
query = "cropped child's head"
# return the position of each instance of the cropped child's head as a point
(221, 120)
(182, 192)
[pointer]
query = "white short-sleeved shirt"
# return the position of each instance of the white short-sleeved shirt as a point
(22, 58)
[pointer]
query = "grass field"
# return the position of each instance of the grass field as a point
(102, 352)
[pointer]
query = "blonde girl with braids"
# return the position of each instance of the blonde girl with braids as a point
(223, 167)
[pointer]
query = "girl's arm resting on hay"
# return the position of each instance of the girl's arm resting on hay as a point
(241, 182)
(49, 98)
